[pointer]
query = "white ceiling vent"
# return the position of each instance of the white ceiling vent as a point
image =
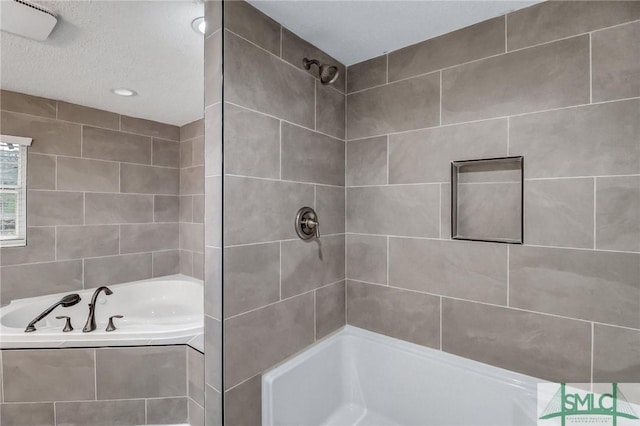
(27, 19)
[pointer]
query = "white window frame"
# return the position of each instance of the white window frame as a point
(21, 193)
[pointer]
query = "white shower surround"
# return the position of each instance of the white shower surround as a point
(356, 377)
(158, 311)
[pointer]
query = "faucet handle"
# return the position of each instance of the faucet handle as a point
(67, 326)
(110, 325)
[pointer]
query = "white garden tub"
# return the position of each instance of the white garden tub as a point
(357, 377)
(165, 310)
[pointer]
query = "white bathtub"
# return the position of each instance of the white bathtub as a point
(357, 377)
(165, 310)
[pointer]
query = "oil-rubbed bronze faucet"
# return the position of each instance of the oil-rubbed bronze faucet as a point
(65, 302)
(91, 320)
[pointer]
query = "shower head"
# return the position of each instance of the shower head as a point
(69, 300)
(328, 73)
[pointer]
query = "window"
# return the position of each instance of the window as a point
(13, 191)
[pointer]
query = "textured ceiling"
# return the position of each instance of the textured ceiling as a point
(355, 30)
(148, 46)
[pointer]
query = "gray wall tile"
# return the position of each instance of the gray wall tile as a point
(367, 161)
(251, 277)
(167, 411)
(78, 174)
(213, 141)
(616, 62)
(192, 130)
(43, 278)
(330, 203)
(404, 105)
(166, 208)
(105, 144)
(117, 269)
(477, 41)
(550, 348)
(40, 248)
(144, 372)
(213, 68)
(618, 213)
(186, 208)
(445, 211)
(27, 104)
(248, 22)
(45, 208)
(213, 282)
(558, 19)
(366, 74)
(330, 309)
(75, 242)
(557, 73)
(307, 265)
(367, 258)
(100, 413)
(559, 212)
(275, 203)
(196, 412)
(402, 314)
(28, 414)
(149, 128)
(426, 155)
(49, 136)
(330, 116)
(48, 375)
(148, 237)
(195, 371)
(186, 262)
(197, 151)
(213, 211)
(192, 180)
(166, 263)
(213, 412)
(149, 179)
(243, 404)
(308, 156)
(289, 95)
(616, 354)
(548, 280)
(192, 236)
(257, 340)
(294, 49)
(165, 153)
(41, 171)
(467, 270)
(252, 143)
(86, 115)
(407, 210)
(118, 208)
(213, 349)
(198, 208)
(599, 140)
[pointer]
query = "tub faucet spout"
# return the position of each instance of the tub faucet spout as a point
(91, 320)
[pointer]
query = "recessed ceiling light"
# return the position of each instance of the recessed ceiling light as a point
(199, 25)
(122, 91)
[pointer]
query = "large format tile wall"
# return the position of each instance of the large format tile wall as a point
(559, 83)
(192, 199)
(283, 149)
(103, 204)
(99, 387)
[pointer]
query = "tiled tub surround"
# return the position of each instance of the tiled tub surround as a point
(101, 387)
(558, 83)
(103, 198)
(283, 149)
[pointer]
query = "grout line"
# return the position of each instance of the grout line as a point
(388, 264)
(288, 240)
(388, 157)
(590, 70)
(386, 55)
(280, 152)
(440, 213)
(508, 275)
(440, 322)
(508, 135)
(440, 119)
(595, 205)
(281, 180)
(280, 272)
(506, 32)
(592, 347)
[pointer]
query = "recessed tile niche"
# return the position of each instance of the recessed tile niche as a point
(487, 200)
